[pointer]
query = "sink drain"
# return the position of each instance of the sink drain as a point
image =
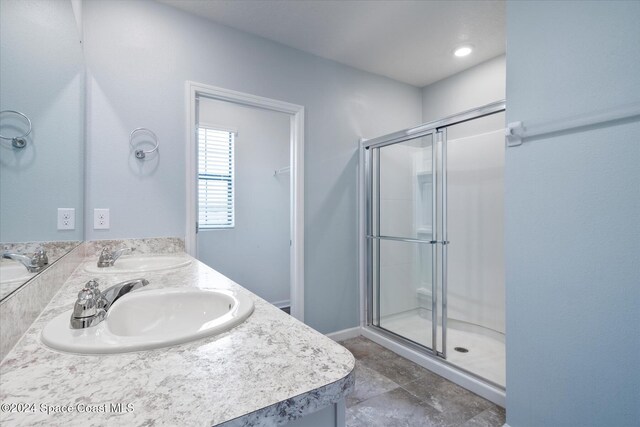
(461, 349)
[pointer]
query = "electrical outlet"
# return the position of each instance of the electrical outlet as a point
(66, 219)
(101, 219)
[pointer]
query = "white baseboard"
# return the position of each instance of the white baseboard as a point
(345, 334)
(282, 304)
(505, 425)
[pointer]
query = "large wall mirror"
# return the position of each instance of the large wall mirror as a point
(42, 81)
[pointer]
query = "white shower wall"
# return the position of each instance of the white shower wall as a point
(475, 225)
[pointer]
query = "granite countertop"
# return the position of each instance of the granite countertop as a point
(266, 371)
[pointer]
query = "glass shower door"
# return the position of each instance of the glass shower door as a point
(402, 239)
(434, 235)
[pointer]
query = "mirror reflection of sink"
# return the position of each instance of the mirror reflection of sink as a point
(12, 273)
(141, 264)
(148, 319)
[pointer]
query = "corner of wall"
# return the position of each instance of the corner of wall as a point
(76, 5)
(471, 88)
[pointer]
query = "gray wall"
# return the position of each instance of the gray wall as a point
(41, 75)
(572, 210)
(477, 86)
(255, 252)
(140, 53)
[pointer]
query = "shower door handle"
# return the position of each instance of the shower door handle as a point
(443, 242)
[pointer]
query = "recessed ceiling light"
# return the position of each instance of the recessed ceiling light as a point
(462, 51)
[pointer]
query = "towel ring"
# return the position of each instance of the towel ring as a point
(18, 141)
(141, 154)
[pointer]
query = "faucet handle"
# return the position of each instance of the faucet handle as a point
(93, 285)
(86, 313)
(106, 257)
(40, 258)
(85, 304)
(106, 250)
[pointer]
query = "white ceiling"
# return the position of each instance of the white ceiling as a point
(406, 40)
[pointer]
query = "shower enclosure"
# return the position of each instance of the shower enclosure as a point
(434, 240)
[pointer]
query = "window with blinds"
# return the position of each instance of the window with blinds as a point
(215, 178)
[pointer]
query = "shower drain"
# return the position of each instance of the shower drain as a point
(461, 349)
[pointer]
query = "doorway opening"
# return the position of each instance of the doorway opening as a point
(245, 196)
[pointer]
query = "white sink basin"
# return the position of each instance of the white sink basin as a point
(12, 275)
(148, 319)
(141, 264)
(14, 272)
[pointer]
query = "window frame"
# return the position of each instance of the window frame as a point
(230, 179)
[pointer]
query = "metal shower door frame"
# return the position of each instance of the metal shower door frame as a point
(373, 235)
(439, 242)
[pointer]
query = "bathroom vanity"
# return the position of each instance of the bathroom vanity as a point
(268, 370)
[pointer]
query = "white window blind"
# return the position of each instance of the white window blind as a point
(215, 178)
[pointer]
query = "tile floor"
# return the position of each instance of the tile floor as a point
(392, 391)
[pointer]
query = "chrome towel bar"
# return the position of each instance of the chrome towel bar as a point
(18, 141)
(141, 154)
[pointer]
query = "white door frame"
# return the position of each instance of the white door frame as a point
(296, 153)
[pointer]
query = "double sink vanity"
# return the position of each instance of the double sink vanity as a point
(163, 339)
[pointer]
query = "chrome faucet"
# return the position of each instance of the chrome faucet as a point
(92, 305)
(34, 264)
(109, 257)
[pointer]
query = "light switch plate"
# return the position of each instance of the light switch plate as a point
(101, 219)
(66, 219)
